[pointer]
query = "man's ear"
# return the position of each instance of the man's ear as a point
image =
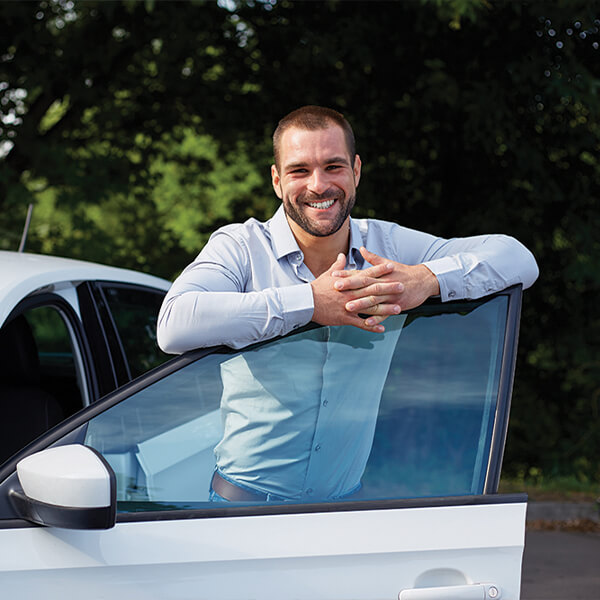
(356, 169)
(276, 180)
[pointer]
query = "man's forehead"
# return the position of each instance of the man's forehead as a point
(303, 144)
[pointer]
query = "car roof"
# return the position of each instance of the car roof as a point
(22, 274)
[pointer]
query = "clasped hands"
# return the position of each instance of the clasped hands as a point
(387, 288)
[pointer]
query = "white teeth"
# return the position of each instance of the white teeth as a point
(325, 204)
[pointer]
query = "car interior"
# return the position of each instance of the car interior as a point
(28, 407)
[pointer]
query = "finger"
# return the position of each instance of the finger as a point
(370, 301)
(375, 321)
(376, 271)
(339, 264)
(354, 282)
(360, 279)
(374, 328)
(379, 310)
(383, 288)
(355, 279)
(346, 273)
(371, 257)
(376, 293)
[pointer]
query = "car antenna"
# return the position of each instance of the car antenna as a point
(26, 228)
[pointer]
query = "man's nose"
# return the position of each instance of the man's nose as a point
(317, 182)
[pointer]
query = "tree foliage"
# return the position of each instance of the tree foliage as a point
(136, 128)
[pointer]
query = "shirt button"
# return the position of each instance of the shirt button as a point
(309, 492)
(451, 294)
(317, 447)
(325, 402)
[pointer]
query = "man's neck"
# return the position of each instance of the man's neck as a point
(321, 252)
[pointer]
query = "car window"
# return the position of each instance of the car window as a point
(41, 379)
(58, 356)
(330, 413)
(134, 312)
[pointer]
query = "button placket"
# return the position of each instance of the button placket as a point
(317, 456)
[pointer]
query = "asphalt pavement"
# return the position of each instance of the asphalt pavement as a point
(561, 565)
(562, 552)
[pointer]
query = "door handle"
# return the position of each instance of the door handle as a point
(476, 591)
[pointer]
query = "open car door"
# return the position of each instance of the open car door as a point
(417, 415)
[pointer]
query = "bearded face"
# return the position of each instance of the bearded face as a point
(316, 179)
(319, 214)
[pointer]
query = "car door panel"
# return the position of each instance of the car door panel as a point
(426, 523)
(363, 554)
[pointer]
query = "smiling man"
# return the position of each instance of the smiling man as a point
(312, 262)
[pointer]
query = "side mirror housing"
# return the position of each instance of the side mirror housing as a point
(71, 486)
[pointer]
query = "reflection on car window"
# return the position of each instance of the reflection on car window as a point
(331, 413)
(135, 312)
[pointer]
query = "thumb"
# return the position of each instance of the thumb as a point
(371, 257)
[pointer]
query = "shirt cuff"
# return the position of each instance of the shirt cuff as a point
(298, 305)
(448, 271)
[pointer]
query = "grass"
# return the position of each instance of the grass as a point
(556, 489)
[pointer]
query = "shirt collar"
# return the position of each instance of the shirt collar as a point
(284, 242)
(283, 239)
(355, 258)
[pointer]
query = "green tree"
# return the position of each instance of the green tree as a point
(130, 122)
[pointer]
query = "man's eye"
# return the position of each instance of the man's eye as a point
(333, 167)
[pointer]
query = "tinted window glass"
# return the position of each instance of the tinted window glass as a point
(59, 368)
(134, 312)
(40, 376)
(52, 338)
(330, 413)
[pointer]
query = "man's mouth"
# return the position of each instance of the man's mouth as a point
(322, 205)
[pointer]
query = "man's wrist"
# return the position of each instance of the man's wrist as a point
(432, 283)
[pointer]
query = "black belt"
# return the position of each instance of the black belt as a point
(234, 493)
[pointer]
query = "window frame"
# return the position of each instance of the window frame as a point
(109, 353)
(117, 346)
(82, 357)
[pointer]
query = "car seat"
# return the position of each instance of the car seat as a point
(27, 409)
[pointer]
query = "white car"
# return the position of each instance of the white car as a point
(115, 502)
(70, 332)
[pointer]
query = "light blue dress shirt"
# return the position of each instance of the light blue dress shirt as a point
(296, 423)
(299, 416)
(250, 282)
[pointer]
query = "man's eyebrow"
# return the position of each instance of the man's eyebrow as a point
(338, 159)
(295, 165)
(329, 161)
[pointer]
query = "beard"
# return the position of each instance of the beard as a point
(294, 210)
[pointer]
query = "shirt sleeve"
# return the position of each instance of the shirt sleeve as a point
(208, 304)
(476, 266)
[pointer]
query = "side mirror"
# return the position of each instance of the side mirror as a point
(67, 486)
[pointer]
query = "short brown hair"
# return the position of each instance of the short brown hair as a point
(313, 118)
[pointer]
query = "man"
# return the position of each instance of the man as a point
(312, 262)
